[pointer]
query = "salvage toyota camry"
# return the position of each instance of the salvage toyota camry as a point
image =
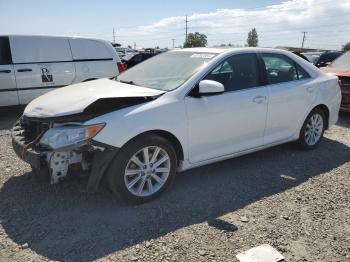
(176, 111)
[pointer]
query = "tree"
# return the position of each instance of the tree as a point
(196, 40)
(252, 39)
(346, 47)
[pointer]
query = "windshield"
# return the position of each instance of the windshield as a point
(312, 57)
(166, 71)
(342, 62)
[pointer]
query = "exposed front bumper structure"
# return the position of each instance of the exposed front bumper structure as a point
(91, 156)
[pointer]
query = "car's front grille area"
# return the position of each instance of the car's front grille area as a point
(345, 81)
(29, 129)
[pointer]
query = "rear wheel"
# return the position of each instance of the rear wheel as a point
(143, 168)
(312, 130)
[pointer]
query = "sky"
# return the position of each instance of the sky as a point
(150, 23)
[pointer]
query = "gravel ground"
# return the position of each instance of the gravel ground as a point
(296, 201)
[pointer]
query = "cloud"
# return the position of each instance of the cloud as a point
(325, 21)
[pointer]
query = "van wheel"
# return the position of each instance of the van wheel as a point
(312, 131)
(143, 168)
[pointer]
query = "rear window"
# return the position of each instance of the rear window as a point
(5, 53)
(36, 49)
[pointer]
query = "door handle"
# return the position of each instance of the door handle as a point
(259, 99)
(24, 70)
(5, 71)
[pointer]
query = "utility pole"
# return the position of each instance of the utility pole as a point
(173, 42)
(134, 45)
(304, 37)
(113, 36)
(186, 21)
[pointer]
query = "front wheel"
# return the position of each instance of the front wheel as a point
(143, 168)
(312, 130)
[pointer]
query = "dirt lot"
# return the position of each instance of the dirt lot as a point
(296, 201)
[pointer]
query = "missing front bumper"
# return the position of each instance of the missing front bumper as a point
(94, 158)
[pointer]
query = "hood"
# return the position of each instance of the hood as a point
(335, 71)
(74, 99)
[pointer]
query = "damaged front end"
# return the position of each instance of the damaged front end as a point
(54, 147)
(52, 137)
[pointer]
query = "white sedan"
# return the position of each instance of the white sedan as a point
(173, 112)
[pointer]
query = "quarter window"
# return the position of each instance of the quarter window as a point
(237, 73)
(302, 74)
(280, 69)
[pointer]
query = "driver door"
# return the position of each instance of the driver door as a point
(232, 121)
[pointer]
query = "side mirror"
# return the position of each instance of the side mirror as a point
(210, 87)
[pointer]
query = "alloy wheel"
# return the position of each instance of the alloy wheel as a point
(147, 171)
(314, 129)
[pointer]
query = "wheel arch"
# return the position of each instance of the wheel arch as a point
(174, 141)
(326, 111)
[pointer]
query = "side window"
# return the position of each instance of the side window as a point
(237, 73)
(89, 49)
(279, 68)
(35, 49)
(5, 52)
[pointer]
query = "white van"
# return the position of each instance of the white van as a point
(33, 65)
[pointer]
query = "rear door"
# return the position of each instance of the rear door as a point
(41, 64)
(291, 93)
(8, 88)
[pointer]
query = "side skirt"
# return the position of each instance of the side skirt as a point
(187, 165)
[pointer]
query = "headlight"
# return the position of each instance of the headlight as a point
(64, 136)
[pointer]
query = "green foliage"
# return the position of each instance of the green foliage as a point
(196, 40)
(346, 47)
(252, 39)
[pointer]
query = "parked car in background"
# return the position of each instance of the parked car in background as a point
(341, 68)
(179, 110)
(33, 65)
(123, 51)
(322, 59)
(133, 59)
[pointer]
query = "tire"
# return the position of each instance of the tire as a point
(312, 134)
(151, 180)
(41, 175)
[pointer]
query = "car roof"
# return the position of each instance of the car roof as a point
(312, 53)
(53, 36)
(310, 68)
(321, 53)
(230, 50)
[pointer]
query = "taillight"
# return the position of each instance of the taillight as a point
(340, 83)
(121, 67)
